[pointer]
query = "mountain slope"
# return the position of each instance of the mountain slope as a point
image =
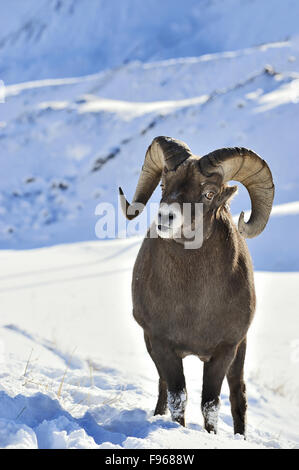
(67, 144)
(63, 38)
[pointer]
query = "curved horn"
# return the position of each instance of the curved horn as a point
(163, 151)
(245, 166)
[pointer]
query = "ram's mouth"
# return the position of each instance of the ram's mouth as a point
(164, 231)
(163, 228)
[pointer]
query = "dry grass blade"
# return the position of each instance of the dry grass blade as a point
(22, 410)
(62, 380)
(28, 362)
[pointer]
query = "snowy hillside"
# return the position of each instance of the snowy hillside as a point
(64, 38)
(75, 372)
(67, 144)
(88, 85)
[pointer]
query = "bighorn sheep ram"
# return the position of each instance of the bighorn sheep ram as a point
(199, 301)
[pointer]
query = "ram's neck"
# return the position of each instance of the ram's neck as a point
(221, 245)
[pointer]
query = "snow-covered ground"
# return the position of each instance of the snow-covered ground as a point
(75, 371)
(87, 85)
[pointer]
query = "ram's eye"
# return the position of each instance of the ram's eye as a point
(209, 195)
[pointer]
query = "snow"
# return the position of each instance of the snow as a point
(133, 109)
(75, 372)
(84, 88)
(210, 414)
(54, 38)
(176, 404)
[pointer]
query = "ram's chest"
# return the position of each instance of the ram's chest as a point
(172, 300)
(191, 304)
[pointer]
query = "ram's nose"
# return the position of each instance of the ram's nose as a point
(166, 219)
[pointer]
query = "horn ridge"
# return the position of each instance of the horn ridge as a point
(247, 167)
(163, 151)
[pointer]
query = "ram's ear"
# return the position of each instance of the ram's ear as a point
(226, 195)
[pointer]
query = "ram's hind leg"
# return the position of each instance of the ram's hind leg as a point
(238, 390)
(172, 381)
(161, 406)
(213, 375)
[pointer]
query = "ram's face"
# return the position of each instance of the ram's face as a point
(189, 199)
(192, 180)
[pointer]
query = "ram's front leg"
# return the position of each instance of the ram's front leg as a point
(171, 371)
(214, 373)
